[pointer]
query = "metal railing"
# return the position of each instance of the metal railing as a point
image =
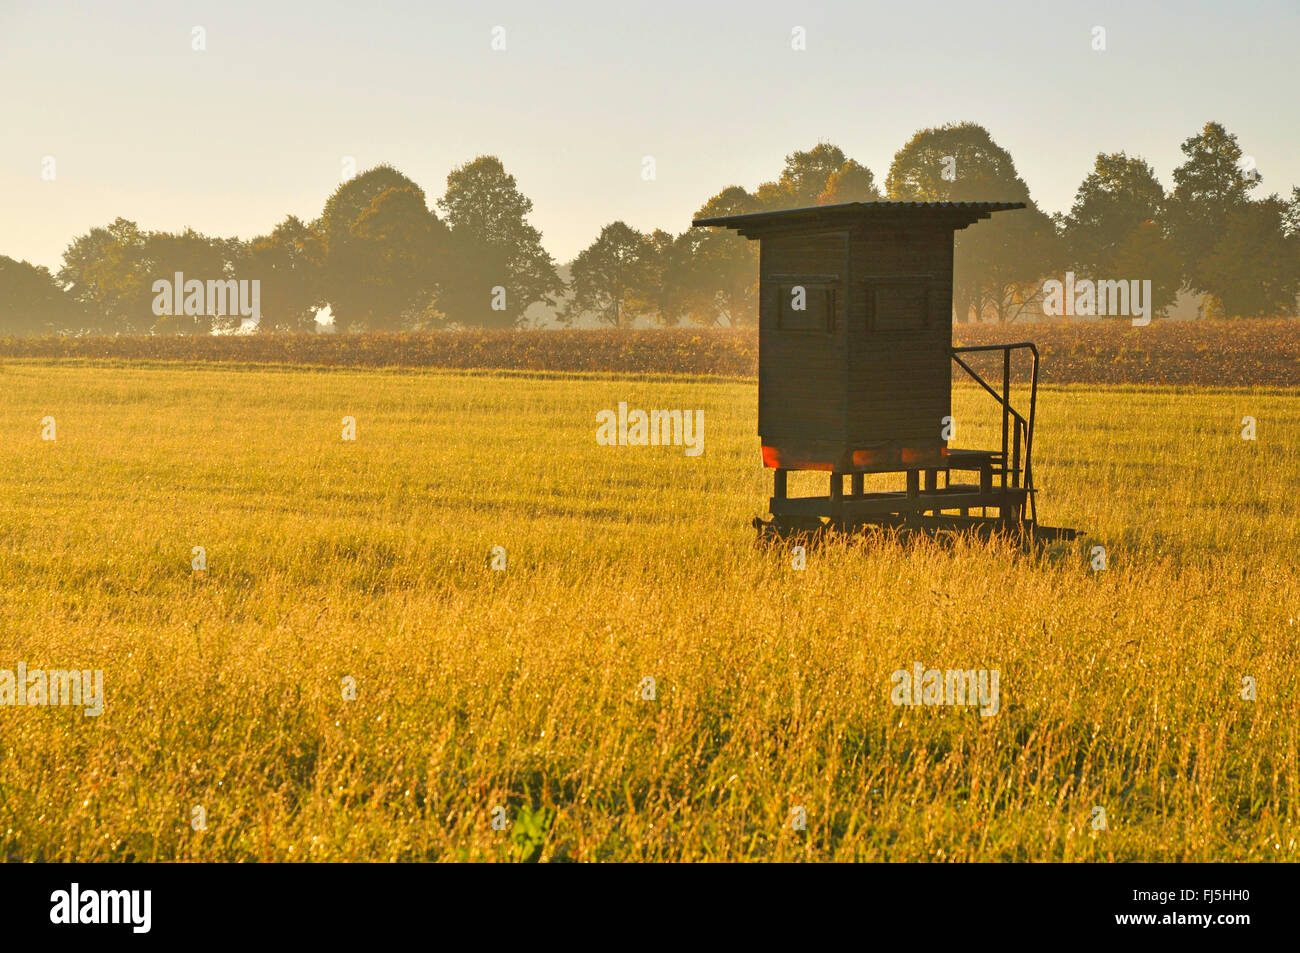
(1015, 426)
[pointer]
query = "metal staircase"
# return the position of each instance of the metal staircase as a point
(1015, 481)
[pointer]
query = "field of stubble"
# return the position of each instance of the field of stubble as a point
(368, 560)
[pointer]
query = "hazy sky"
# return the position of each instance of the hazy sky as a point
(231, 139)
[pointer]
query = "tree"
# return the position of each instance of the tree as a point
(726, 264)
(1251, 268)
(477, 292)
(32, 302)
(851, 182)
(957, 162)
(1114, 229)
(998, 266)
(1211, 189)
(384, 250)
(196, 257)
(396, 243)
(111, 272)
(288, 262)
(723, 272)
(804, 178)
(612, 277)
(501, 268)
(676, 289)
(1115, 198)
(1291, 217)
(347, 202)
(1291, 227)
(106, 271)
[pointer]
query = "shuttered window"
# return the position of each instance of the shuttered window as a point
(804, 304)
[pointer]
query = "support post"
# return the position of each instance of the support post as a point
(1006, 409)
(1015, 457)
(779, 483)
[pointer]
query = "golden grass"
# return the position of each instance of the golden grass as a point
(476, 688)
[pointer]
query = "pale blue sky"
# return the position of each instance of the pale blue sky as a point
(232, 139)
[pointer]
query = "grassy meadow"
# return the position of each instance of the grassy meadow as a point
(476, 689)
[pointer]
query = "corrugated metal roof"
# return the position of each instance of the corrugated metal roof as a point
(849, 209)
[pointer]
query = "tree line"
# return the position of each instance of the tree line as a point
(382, 259)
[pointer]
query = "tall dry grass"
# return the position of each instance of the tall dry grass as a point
(523, 689)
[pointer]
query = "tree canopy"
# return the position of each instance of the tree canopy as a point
(999, 266)
(1117, 228)
(381, 258)
(498, 255)
(612, 277)
(33, 302)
